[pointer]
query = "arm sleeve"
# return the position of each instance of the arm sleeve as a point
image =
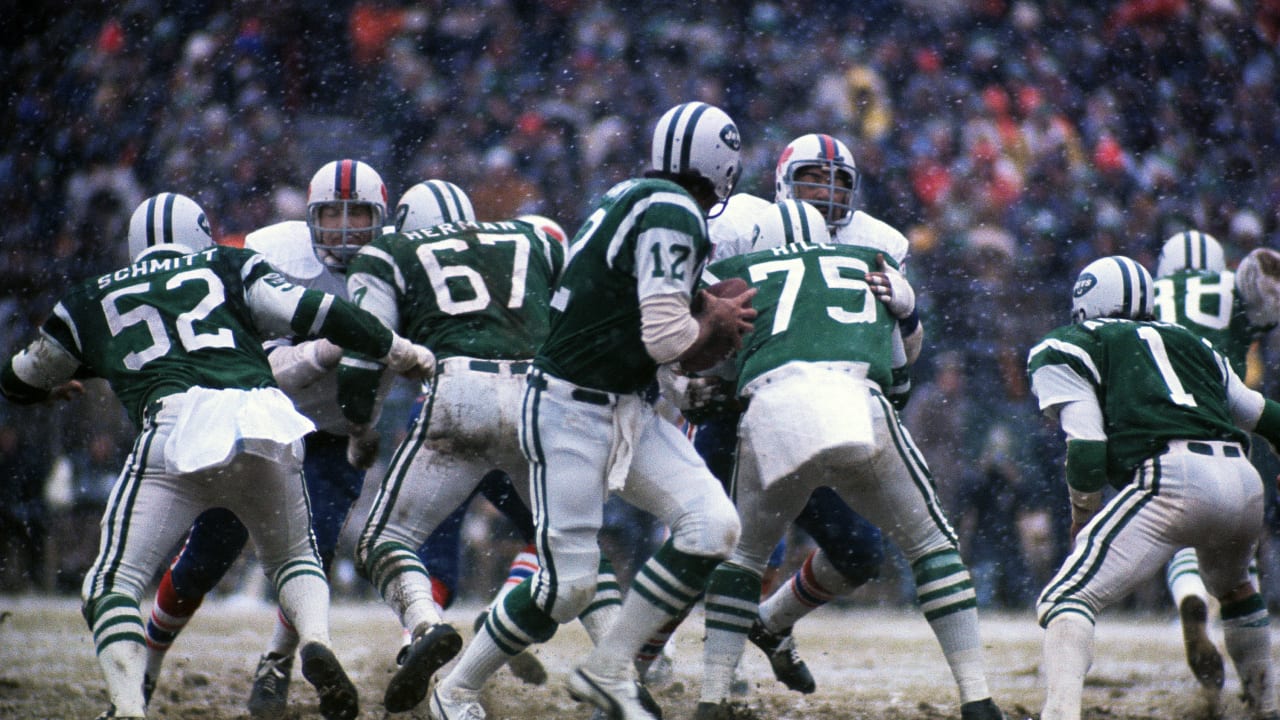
(666, 326)
(281, 308)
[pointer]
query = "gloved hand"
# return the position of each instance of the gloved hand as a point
(326, 354)
(362, 447)
(698, 398)
(415, 362)
(892, 289)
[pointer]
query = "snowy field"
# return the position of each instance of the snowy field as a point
(869, 663)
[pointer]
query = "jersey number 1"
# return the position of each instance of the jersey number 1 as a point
(1155, 344)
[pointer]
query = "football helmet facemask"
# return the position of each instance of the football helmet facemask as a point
(430, 203)
(1112, 287)
(695, 138)
(1190, 250)
(830, 189)
(789, 222)
(339, 192)
(168, 218)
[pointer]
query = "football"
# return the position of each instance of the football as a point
(725, 288)
(720, 345)
(729, 288)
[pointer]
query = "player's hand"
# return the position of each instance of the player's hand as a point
(67, 391)
(325, 353)
(415, 362)
(891, 288)
(729, 316)
(362, 447)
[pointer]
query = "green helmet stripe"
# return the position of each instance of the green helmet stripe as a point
(166, 227)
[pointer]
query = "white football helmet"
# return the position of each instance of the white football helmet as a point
(168, 218)
(833, 195)
(789, 222)
(432, 202)
(1190, 250)
(548, 226)
(346, 185)
(1113, 287)
(699, 139)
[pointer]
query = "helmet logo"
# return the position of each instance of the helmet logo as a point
(729, 136)
(203, 223)
(1084, 284)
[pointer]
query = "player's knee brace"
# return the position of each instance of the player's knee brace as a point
(710, 531)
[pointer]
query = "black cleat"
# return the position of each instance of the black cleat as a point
(787, 666)
(338, 697)
(433, 646)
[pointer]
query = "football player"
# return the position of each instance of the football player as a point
(346, 209)
(176, 334)
(824, 346)
(621, 309)
(819, 170)
(1232, 310)
(1156, 412)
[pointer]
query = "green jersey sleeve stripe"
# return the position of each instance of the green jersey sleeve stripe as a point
(1073, 352)
(358, 363)
(665, 210)
(322, 314)
(382, 258)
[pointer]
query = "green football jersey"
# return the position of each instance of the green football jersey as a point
(647, 237)
(1206, 303)
(813, 305)
(471, 289)
(1154, 381)
(174, 321)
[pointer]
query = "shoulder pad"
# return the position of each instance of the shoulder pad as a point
(866, 231)
(731, 230)
(287, 246)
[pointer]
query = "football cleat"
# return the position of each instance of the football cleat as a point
(619, 697)
(723, 710)
(1202, 656)
(338, 697)
(433, 646)
(459, 705)
(270, 694)
(982, 710)
(787, 666)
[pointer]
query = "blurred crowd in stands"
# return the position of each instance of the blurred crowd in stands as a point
(1012, 141)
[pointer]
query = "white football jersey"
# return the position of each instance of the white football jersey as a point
(732, 230)
(866, 231)
(287, 247)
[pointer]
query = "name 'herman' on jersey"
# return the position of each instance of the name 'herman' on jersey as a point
(468, 289)
(647, 238)
(173, 321)
(1154, 381)
(814, 305)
